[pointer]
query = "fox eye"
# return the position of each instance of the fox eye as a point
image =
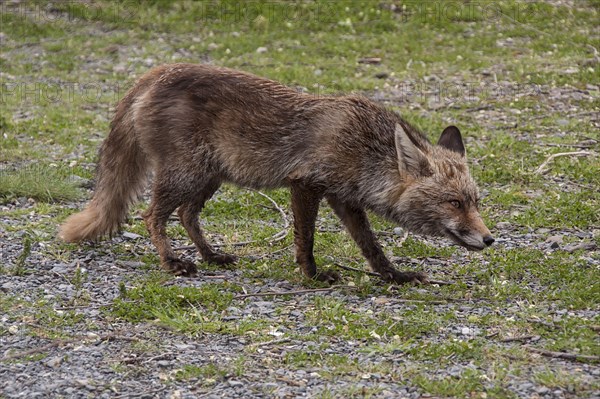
(456, 204)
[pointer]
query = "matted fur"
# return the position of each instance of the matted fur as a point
(196, 126)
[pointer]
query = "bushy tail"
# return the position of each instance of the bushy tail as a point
(120, 178)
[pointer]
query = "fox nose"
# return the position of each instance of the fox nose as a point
(488, 240)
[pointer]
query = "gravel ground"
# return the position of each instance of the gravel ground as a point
(114, 359)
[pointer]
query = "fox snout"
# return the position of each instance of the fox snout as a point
(475, 237)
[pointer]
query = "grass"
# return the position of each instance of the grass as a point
(40, 182)
(491, 68)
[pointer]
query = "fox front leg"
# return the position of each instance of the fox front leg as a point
(356, 221)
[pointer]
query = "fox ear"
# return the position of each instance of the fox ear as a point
(410, 158)
(452, 140)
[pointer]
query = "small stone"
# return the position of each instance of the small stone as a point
(8, 286)
(131, 264)
(212, 46)
(554, 241)
(586, 246)
(562, 122)
(184, 347)
(80, 181)
(465, 331)
(370, 60)
(542, 390)
(235, 383)
(131, 236)
(120, 68)
(54, 362)
(262, 50)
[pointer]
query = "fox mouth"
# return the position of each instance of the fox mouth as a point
(460, 241)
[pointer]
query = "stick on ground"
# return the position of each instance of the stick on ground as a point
(563, 355)
(293, 292)
(544, 165)
(280, 235)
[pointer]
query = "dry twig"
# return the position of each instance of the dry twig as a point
(293, 292)
(354, 269)
(43, 348)
(544, 165)
(521, 338)
(563, 355)
(279, 236)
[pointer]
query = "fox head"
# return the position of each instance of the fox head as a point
(439, 196)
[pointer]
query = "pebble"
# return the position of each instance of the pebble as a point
(54, 362)
(131, 236)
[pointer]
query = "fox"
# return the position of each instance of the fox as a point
(188, 128)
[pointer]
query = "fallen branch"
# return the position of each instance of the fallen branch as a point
(521, 338)
(544, 165)
(293, 292)
(354, 269)
(563, 355)
(43, 348)
(428, 301)
(38, 349)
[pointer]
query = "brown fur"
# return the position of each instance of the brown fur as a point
(197, 126)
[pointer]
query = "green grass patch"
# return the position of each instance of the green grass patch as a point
(40, 182)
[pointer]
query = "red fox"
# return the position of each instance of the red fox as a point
(197, 126)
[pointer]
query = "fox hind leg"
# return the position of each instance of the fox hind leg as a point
(305, 206)
(165, 200)
(188, 215)
(356, 222)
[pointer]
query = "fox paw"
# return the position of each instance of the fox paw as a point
(180, 267)
(399, 277)
(220, 259)
(327, 276)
